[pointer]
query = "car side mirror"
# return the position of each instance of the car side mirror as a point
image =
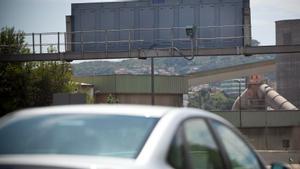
(278, 165)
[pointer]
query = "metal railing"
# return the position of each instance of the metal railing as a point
(129, 39)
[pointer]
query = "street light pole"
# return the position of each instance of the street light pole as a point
(240, 103)
(152, 82)
(152, 74)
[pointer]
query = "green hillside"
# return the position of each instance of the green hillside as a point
(163, 66)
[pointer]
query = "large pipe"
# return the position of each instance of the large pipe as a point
(274, 99)
(237, 105)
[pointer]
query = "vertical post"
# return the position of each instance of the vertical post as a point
(200, 100)
(41, 48)
(172, 41)
(196, 41)
(65, 37)
(58, 42)
(106, 43)
(193, 46)
(240, 103)
(33, 48)
(152, 82)
(81, 43)
(247, 26)
(68, 34)
(129, 43)
(266, 131)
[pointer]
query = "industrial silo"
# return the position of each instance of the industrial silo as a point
(288, 65)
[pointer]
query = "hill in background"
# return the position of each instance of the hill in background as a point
(163, 66)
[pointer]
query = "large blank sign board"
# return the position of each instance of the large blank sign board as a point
(145, 24)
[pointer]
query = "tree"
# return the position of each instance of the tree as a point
(217, 101)
(13, 76)
(12, 42)
(111, 99)
(200, 99)
(49, 78)
(220, 102)
(51, 49)
(31, 83)
(255, 42)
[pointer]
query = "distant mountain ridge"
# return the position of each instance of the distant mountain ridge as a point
(163, 66)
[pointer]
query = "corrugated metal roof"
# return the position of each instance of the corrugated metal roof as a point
(136, 84)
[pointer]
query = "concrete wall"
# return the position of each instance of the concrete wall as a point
(262, 118)
(136, 84)
(268, 130)
(288, 157)
(273, 138)
(160, 99)
(68, 98)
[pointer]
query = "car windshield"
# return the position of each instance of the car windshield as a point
(77, 134)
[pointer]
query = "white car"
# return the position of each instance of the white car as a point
(122, 137)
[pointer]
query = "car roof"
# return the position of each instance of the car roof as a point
(113, 109)
(117, 109)
(63, 161)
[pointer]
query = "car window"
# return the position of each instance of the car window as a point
(176, 157)
(196, 148)
(240, 155)
(202, 149)
(77, 134)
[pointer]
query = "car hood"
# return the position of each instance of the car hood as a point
(64, 161)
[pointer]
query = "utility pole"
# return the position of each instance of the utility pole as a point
(240, 102)
(152, 82)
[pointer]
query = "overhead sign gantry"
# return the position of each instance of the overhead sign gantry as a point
(147, 28)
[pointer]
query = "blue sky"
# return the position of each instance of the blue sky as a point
(49, 15)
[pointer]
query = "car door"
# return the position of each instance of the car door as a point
(194, 147)
(206, 144)
(240, 154)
